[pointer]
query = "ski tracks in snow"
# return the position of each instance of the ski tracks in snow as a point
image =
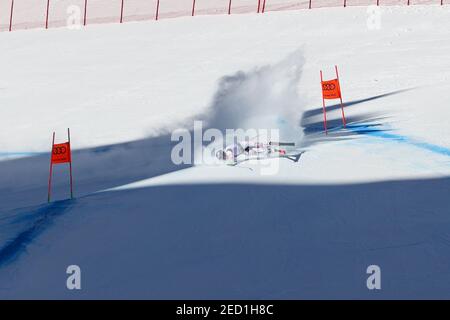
(20, 227)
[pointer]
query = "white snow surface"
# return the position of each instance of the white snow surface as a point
(116, 83)
(353, 197)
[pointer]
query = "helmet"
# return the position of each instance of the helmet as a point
(221, 155)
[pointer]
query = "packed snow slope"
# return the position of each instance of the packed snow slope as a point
(141, 226)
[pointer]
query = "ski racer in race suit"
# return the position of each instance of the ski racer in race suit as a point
(247, 148)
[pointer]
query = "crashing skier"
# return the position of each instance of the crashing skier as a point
(246, 150)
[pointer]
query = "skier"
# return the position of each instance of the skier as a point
(249, 149)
